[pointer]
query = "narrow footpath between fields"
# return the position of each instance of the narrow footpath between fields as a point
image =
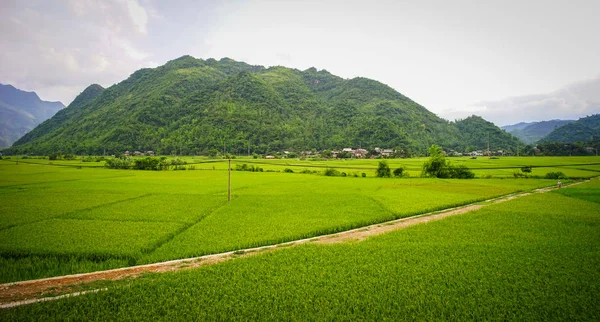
(54, 288)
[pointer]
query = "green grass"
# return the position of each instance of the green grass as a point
(99, 214)
(93, 238)
(532, 258)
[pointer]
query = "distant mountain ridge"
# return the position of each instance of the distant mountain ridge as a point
(532, 132)
(586, 129)
(20, 112)
(191, 106)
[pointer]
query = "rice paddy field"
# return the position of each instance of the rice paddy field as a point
(534, 257)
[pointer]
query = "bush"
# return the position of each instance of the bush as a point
(526, 169)
(245, 167)
(555, 175)
(343, 174)
(364, 175)
(399, 172)
(331, 172)
(118, 163)
(288, 170)
(55, 156)
(461, 172)
(519, 174)
(437, 166)
(383, 170)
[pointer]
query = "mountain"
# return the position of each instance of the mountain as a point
(20, 112)
(535, 131)
(585, 129)
(192, 105)
(477, 131)
(518, 126)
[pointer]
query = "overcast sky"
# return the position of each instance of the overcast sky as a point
(453, 57)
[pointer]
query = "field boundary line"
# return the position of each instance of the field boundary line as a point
(46, 299)
(62, 216)
(26, 292)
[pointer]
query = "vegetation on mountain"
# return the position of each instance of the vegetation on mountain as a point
(476, 132)
(20, 112)
(533, 132)
(194, 106)
(586, 129)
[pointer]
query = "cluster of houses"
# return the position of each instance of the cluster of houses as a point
(477, 153)
(355, 153)
(345, 152)
(138, 153)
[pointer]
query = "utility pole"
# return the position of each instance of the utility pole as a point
(229, 182)
(489, 144)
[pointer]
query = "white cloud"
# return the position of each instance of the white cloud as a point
(138, 15)
(570, 102)
(59, 48)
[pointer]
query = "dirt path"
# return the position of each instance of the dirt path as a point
(27, 292)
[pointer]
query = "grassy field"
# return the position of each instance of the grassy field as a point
(59, 219)
(501, 167)
(532, 258)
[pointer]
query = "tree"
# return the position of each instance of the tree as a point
(383, 170)
(437, 165)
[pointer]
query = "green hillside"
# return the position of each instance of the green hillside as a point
(193, 105)
(585, 129)
(533, 132)
(476, 131)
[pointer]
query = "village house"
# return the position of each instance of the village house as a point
(359, 153)
(387, 152)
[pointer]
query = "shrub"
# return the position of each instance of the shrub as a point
(526, 169)
(437, 166)
(118, 163)
(364, 175)
(343, 174)
(555, 175)
(288, 170)
(399, 172)
(331, 172)
(383, 170)
(519, 174)
(461, 172)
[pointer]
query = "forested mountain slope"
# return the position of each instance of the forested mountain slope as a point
(533, 132)
(195, 105)
(585, 129)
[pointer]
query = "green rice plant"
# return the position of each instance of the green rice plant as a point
(86, 238)
(532, 258)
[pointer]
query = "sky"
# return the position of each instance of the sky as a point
(508, 61)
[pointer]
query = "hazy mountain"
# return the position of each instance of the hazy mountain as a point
(194, 105)
(583, 130)
(518, 126)
(20, 112)
(535, 131)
